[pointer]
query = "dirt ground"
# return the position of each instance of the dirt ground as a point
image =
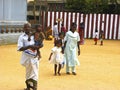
(99, 69)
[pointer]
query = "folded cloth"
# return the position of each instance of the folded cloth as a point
(31, 52)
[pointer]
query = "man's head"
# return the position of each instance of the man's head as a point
(26, 28)
(55, 23)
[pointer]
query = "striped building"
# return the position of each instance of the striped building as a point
(109, 23)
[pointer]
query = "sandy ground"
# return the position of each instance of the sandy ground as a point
(99, 69)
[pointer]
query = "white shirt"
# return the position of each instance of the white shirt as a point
(96, 34)
(55, 32)
(22, 42)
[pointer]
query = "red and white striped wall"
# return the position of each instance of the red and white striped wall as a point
(109, 23)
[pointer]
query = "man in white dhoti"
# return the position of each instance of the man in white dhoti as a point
(70, 49)
(28, 58)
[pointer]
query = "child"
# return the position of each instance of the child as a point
(38, 42)
(56, 57)
(96, 36)
(61, 37)
(101, 37)
(63, 30)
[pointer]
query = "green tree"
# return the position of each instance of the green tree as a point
(94, 6)
(115, 6)
(76, 5)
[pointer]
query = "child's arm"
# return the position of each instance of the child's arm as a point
(41, 45)
(50, 56)
(38, 54)
(42, 36)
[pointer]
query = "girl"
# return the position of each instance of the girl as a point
(96, 36)
(56, 57)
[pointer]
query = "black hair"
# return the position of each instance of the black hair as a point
(73, 24)
(60, 34)
(55, 23)
(58, 41)
(39, 25)
(96, 30)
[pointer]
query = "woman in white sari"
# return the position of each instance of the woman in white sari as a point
(70, 49)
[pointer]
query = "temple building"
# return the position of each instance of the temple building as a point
(13, 15)
(13, 12)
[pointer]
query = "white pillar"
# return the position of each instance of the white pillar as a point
(13, 12)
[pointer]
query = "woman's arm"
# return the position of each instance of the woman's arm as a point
(64, 47)
(78, 45)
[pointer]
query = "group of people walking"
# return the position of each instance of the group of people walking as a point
(63, 51)
(66, 49)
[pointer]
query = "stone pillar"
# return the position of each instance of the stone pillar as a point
(13, 12)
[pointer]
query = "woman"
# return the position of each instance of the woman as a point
(70, 49)
(81, 33)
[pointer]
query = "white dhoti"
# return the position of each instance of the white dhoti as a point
(29, 60)
(32, 66)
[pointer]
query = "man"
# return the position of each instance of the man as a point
(28, 58)
(55, 32)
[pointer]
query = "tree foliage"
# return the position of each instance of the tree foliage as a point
(76, 5)
(94, 6)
